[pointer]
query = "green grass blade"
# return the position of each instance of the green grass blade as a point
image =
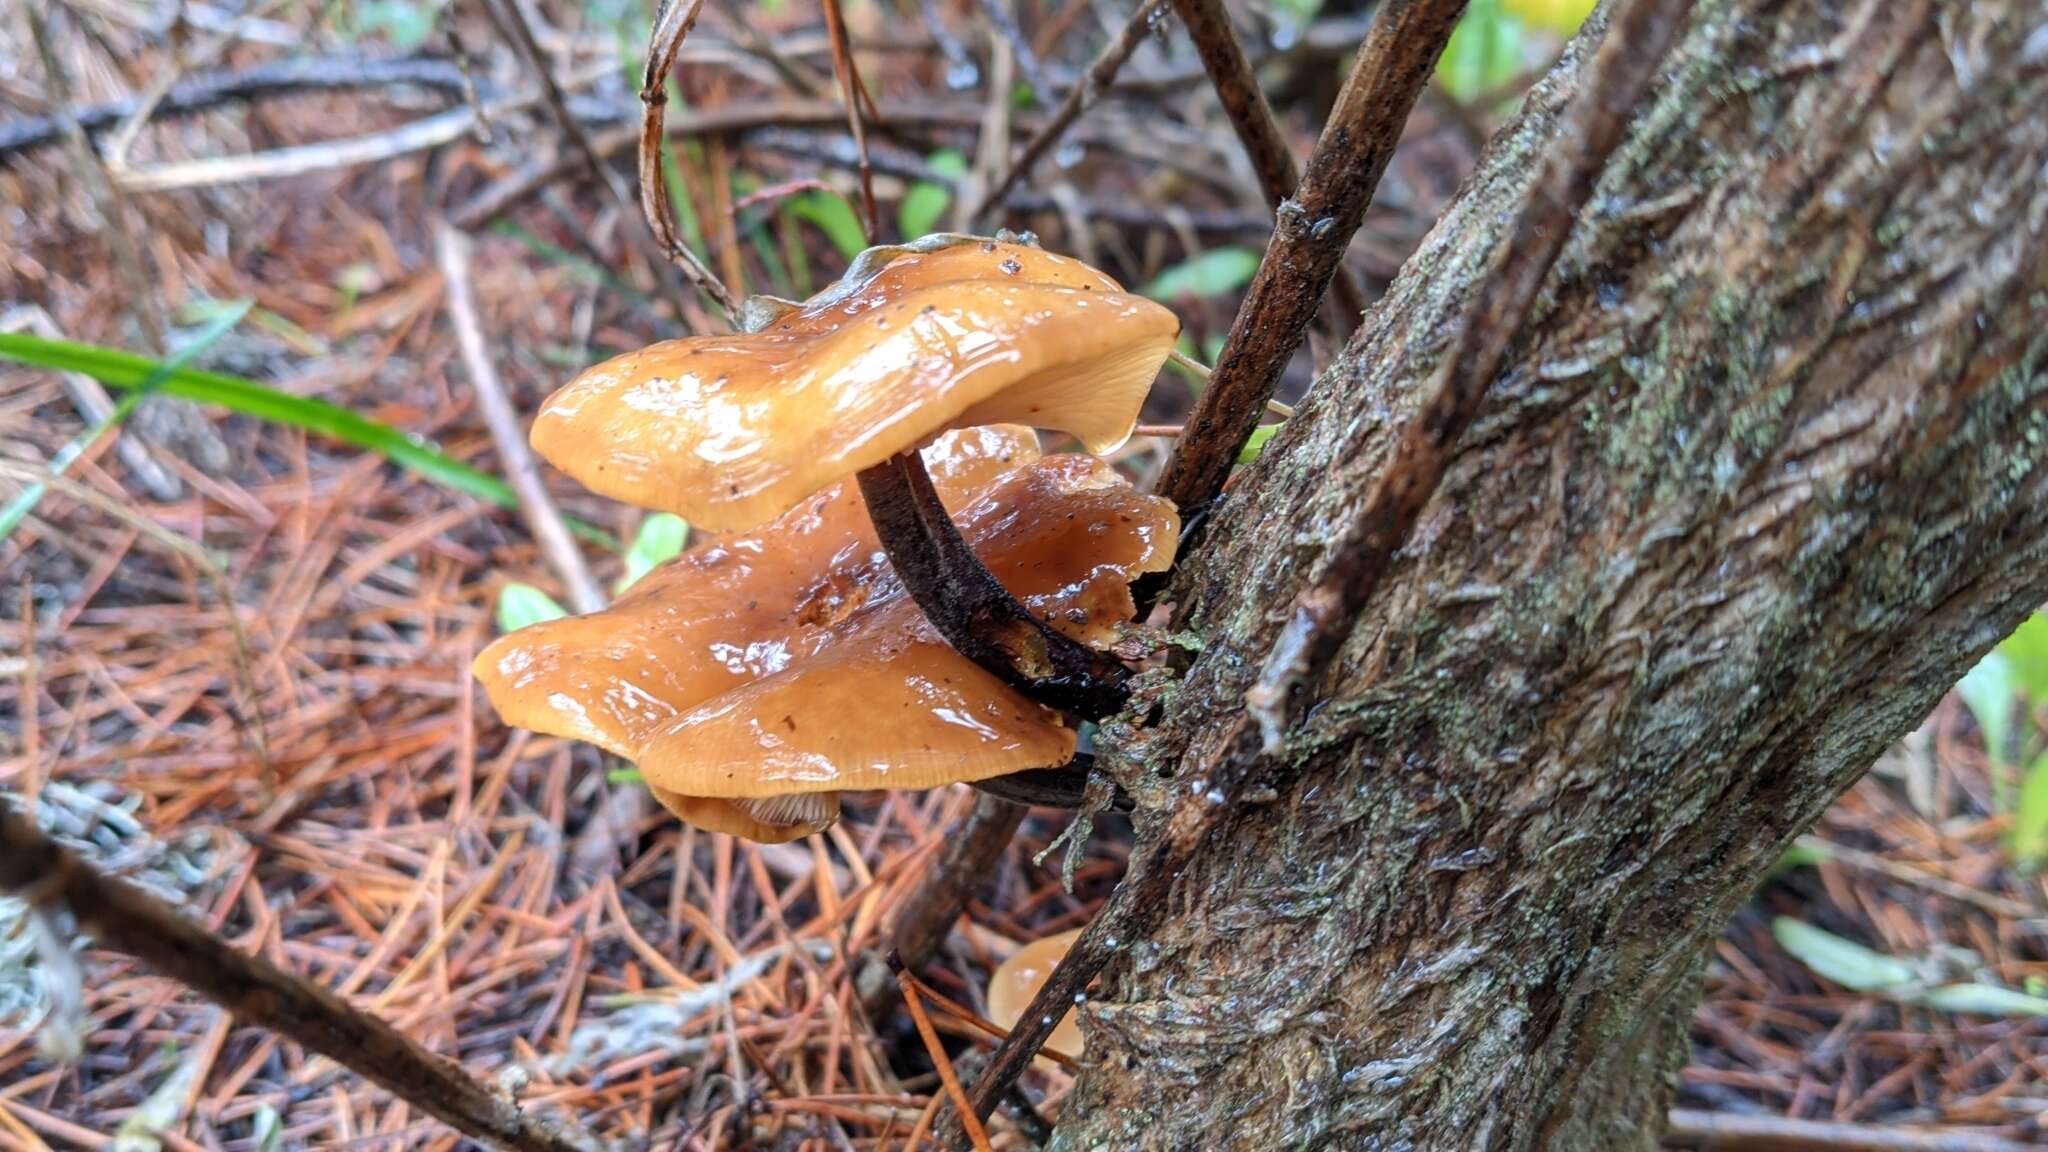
(118, 369)
(225, 317)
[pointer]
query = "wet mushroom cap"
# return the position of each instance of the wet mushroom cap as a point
(731, 431)
(1016, 980)
(790, 660)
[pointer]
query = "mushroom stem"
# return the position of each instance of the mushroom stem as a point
(1062, 787)
(974, 612)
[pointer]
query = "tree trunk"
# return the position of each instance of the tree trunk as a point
(1766, 472)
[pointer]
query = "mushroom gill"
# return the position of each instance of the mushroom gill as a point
(755, 677)
(730, 431)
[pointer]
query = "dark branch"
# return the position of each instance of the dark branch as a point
(1310, 234)
(974, 612)
(1230, 73)
(128, 919)
(1614, 81)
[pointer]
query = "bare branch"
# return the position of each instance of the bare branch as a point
(1310, 233)
(672, 26)
(1230, 73)
(536, 507)
(126, 918)
(1101, 75)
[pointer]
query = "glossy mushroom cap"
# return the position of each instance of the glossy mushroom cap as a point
(754, 678)
(731, 431)
(1016, 980)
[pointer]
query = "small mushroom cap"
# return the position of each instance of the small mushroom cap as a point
(730, 431)
(791, 661)
(1016, 980)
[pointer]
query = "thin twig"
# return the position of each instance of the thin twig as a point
(1101, 75)
(128, 919)
(522, 472)
(672, 26)
(512, 20)
(1612, 83)
(850, 91)
(965, 861)
(1786, 1134)
(1258, 130)
(1310, 233)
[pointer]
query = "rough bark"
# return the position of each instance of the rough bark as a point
(1763, 476)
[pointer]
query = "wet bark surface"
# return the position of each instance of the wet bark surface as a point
(1765, 473)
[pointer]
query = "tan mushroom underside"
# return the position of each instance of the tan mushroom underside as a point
(790, 660)
(730, 431)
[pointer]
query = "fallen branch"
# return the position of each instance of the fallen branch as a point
(128, 919)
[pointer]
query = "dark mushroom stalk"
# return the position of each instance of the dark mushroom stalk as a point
(971, 609)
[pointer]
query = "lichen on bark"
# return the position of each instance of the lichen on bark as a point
(1764, 475)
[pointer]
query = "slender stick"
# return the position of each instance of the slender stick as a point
(851, 90)
(512, 20)
(1258, 130)
(1094, 83)
(1310, 234)
(970, 608)
(965, 862)
(536, 507)
(1786, 1134)
(124, 917)
(1613, 82)
(672, 26)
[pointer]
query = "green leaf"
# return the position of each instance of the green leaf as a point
(626, 775)
(2027, 839)
(1992, 693)
(924, 204)
(120, 369)
(830, 213)
(660, 540)
(2027, 651)
(1843, 961)
(523, 605)
(1257, 443)
(1984, 1000)
(1213, 273)
(1484, 52)
(1802, 854)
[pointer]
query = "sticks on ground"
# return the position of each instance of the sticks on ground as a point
(128, 919)
(513, 22)
(672, 26)
(1230, 73)
(1094, 83)
(1614, 80)
(536, 507)
(1310, 233)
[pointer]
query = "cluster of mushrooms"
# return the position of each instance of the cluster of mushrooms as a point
(904, 592)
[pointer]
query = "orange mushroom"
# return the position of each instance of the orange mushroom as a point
(1017, 980)
(756, 677)
(950, 332)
